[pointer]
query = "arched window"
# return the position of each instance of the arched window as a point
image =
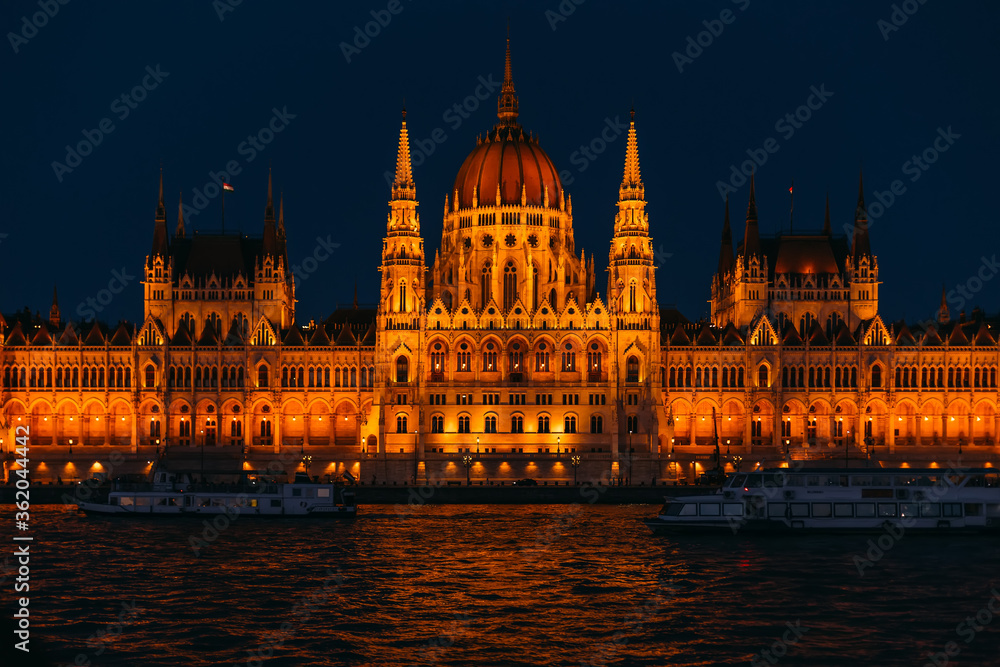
(876, 376)
(150, 377)
(596, 424)
(262, 379)
(534, 287)
(354, 376)
(402, 296)
(490, 424)
(631, 294)
(509, 285)
(486, 283)
(517, 424)
(762, 376)
(437, 424)
(543, 424)
(401, 424)
(632, 369)
(569, 424)
(463, 424)
(402, 369)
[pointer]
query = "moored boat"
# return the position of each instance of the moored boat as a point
(841, 500)
(246, 493)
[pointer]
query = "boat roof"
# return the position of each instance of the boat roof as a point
(869, 471)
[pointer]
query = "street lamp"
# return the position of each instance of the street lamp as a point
(737, 460)
(307, 462)
(575, 461)
(558, 440)
(468, 464)
(71, 446)
(477, 446)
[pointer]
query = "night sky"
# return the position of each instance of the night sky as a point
(222, 72)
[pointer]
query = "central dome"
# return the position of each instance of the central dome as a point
(507, 159)
(510, 159)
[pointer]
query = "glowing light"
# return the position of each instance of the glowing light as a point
(45, 419)
(952, 419)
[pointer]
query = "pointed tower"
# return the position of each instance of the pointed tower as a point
(943, 315)
(631, 280)
(54, 310)
(742, 293)
(274, 289)
(179, 232)
(751, 233)
(158, 275)
(402, 309)
(507, 102)
(403, 248)
(282, 245)
(862, 266)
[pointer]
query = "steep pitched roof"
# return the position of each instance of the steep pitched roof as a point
(208, 336)
(16, 336)
(706, 336)
(732, 336)
(346, 337)
(293, 338)
(234, 337)
(984, 337)
(121, 337)
(679, 336)
(319, 336)
(181, 337)
(69, 336)
(95, 337)
(369, 339)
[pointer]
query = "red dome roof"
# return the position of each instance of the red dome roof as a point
(510, 159)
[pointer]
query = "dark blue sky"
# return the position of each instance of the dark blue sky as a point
(223, 79)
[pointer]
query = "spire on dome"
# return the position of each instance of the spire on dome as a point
(179, 232)
(403, 186)
(507, 102)
(631, 187)
(54, 310)
(751, 236)
(726, 250)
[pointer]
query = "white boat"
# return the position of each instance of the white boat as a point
(841, 499)
(247, 494)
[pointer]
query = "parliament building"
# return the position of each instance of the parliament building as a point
(499, 358)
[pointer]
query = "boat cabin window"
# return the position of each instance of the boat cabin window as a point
(754, 482)
(956, 479)
(886, 509)
(738, 481)
(709, 509)
(951, 509)
(989, 481)
(275, 503)
(821, 510)
(688, 510)
(322, 493)
(776, 509)
(907, 510)
(296, 492)
(799, 509)
(932, 510)
(843, 509)
(865, 510)
(822, 480)
(732, 509)
(795, 480)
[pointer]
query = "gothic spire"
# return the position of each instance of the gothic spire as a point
(726, 251)
(160, 225)
(270, 234)
(507, 102)
(943, 315)
(403, 187)
(751, 236)
(631, 187)
(179, 232)
(860, 244)
(54, 310)
(281, 214)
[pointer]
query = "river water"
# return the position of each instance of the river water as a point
(498, 585)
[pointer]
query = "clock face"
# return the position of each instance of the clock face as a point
(487, 241)
(510, 240)
(533, 240)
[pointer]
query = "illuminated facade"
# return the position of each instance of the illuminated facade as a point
(502, 347)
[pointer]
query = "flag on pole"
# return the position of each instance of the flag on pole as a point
(790, 190)
(228, 188)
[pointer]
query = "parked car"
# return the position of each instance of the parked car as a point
(526, 482)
